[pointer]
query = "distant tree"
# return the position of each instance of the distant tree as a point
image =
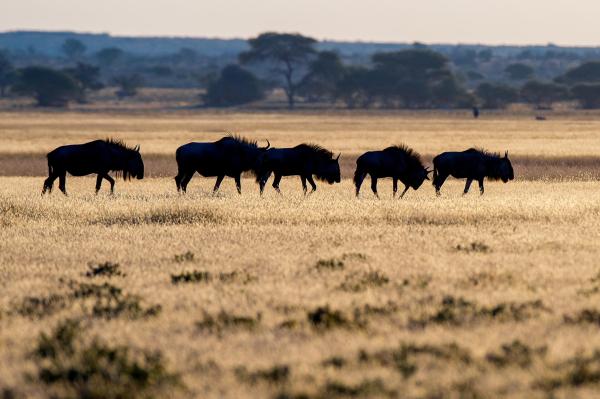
(408, 76)
(128, 85)
(73, 48)
(108, 56)
(588, 95)
(87, 77)
(496, 95)
(7, 73)
(324, 74)
(186, 55)
(448, 92)
(358, 87)
(464, 57)
(235, 86)
(542, 94)
(519, 71)
(51, 88)
(485, 55)
(288, 52)
(586, 72)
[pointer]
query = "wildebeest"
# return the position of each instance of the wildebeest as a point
(229, 156)
(99, 157)
(304, 160)
(472, 164)
(398, 162)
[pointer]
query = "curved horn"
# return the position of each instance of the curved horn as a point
(268, 145)
(137, 148)
(338, 157)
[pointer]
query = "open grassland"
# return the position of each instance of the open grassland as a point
(325, 296)
(564, 147)
(149, 293)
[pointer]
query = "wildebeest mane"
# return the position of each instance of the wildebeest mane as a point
(316, 151)
(238, 140)
(413, 158)
(484, 152)
(492, 161)
(121, 170)
(118, 144)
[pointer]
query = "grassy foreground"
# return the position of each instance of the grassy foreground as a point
(325, 296)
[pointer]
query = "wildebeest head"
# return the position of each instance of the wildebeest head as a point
(418, 176)
(330, 171)
(505, 169)
(135, 164)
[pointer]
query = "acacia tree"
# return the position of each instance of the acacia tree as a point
(87, 77)
(324, 74)
(543, 94)
(588, 95)
(73, 48)
(584, 73)
(496, 95)
(109, 55)
(235, 86)
(288, 52)
(51, 88)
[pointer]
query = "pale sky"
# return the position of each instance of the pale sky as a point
(563, 22)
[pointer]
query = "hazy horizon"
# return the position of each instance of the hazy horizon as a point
(430, 21)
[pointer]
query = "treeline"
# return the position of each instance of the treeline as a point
(414, 78)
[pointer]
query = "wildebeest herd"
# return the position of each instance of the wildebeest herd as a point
(232, 155)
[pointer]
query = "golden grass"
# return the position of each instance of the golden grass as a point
(326, 295)
(428, 133)
(386, 267)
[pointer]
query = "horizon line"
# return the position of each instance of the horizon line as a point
(323, 40)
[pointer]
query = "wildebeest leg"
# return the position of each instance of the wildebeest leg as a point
(312, 183)
(111, 181)
(238, 184)
(395, 187)
(438, 181)
(218, 183)
(263, 181)
(405, 190)
(276, 181)
(62, 181)
(178, 181)
(467, 186)
(48, 183)
(303, 179)
(358, 180)
(481, 187)
(185, 180)
(98, 182)
(374, 186)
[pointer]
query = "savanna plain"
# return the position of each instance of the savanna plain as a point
(149, 293)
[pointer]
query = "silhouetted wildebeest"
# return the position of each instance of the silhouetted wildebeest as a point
(229, 156)
(99, 157)
(398, 162)
(472, 164)
(304, 160)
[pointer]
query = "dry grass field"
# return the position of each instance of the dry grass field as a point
(327, 296)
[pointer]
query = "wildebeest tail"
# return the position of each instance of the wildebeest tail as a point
(50, 168)
(358, 173)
